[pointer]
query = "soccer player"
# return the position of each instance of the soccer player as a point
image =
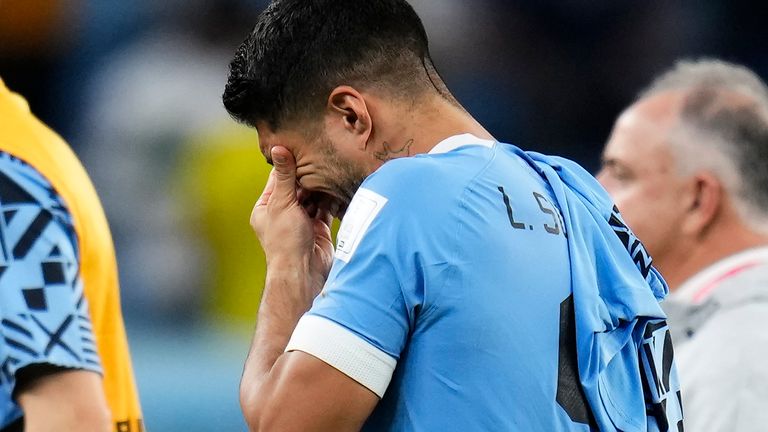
(473, 286)
(686, 164)
(64, 361)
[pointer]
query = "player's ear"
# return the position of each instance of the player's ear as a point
(349, 111)
(705, 204)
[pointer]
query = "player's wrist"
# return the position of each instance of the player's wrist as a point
(288, 294)
(292, 273)
(289, 264)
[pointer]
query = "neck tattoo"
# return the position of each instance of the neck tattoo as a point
(388, 153)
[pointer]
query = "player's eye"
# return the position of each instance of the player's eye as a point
(621, 174)
(616, 172)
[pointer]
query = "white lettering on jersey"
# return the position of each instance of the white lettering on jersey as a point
(363, 209)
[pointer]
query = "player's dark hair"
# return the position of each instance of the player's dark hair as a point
(300, 50)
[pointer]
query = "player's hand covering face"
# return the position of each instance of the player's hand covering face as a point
(293, 228)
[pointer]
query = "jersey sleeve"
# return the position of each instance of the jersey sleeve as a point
(44, 319)
(361, 321)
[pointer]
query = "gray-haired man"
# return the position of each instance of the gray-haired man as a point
(687, 167)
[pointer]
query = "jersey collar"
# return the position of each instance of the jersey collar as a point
(456, 141)
(700, 285)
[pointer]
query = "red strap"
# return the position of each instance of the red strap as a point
(708, 288)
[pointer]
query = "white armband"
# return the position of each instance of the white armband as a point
(344, 350)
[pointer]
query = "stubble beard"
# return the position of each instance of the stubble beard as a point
(348, 176)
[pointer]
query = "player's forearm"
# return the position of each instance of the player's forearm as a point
(71, 400)
(85, 419)
(282, 305)
(287, 296)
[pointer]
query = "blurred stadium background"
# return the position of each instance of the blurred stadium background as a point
(134, 87)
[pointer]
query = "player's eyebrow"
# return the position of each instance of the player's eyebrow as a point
(607, 161)
(618, 167)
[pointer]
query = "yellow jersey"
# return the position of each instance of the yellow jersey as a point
(24, 137)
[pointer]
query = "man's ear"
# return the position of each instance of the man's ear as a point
(349, 110)
(706, 205)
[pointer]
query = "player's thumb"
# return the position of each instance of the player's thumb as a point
(285, 174)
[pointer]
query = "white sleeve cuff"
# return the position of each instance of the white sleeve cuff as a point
(345, 351)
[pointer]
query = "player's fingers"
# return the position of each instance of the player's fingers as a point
(322, 226)
(325, 216)
(285, 175)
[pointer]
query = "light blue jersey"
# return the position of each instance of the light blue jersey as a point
(44, 321)
(451, 297)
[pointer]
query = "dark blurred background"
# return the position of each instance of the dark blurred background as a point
(134, 86)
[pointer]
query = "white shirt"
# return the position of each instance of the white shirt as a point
(718, 320)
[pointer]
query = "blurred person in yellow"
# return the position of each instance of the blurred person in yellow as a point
(216, 169)
(686, 165)
(64, 361)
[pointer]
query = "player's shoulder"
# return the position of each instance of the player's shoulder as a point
(22, 186)
(430, 177)
(22, 180)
